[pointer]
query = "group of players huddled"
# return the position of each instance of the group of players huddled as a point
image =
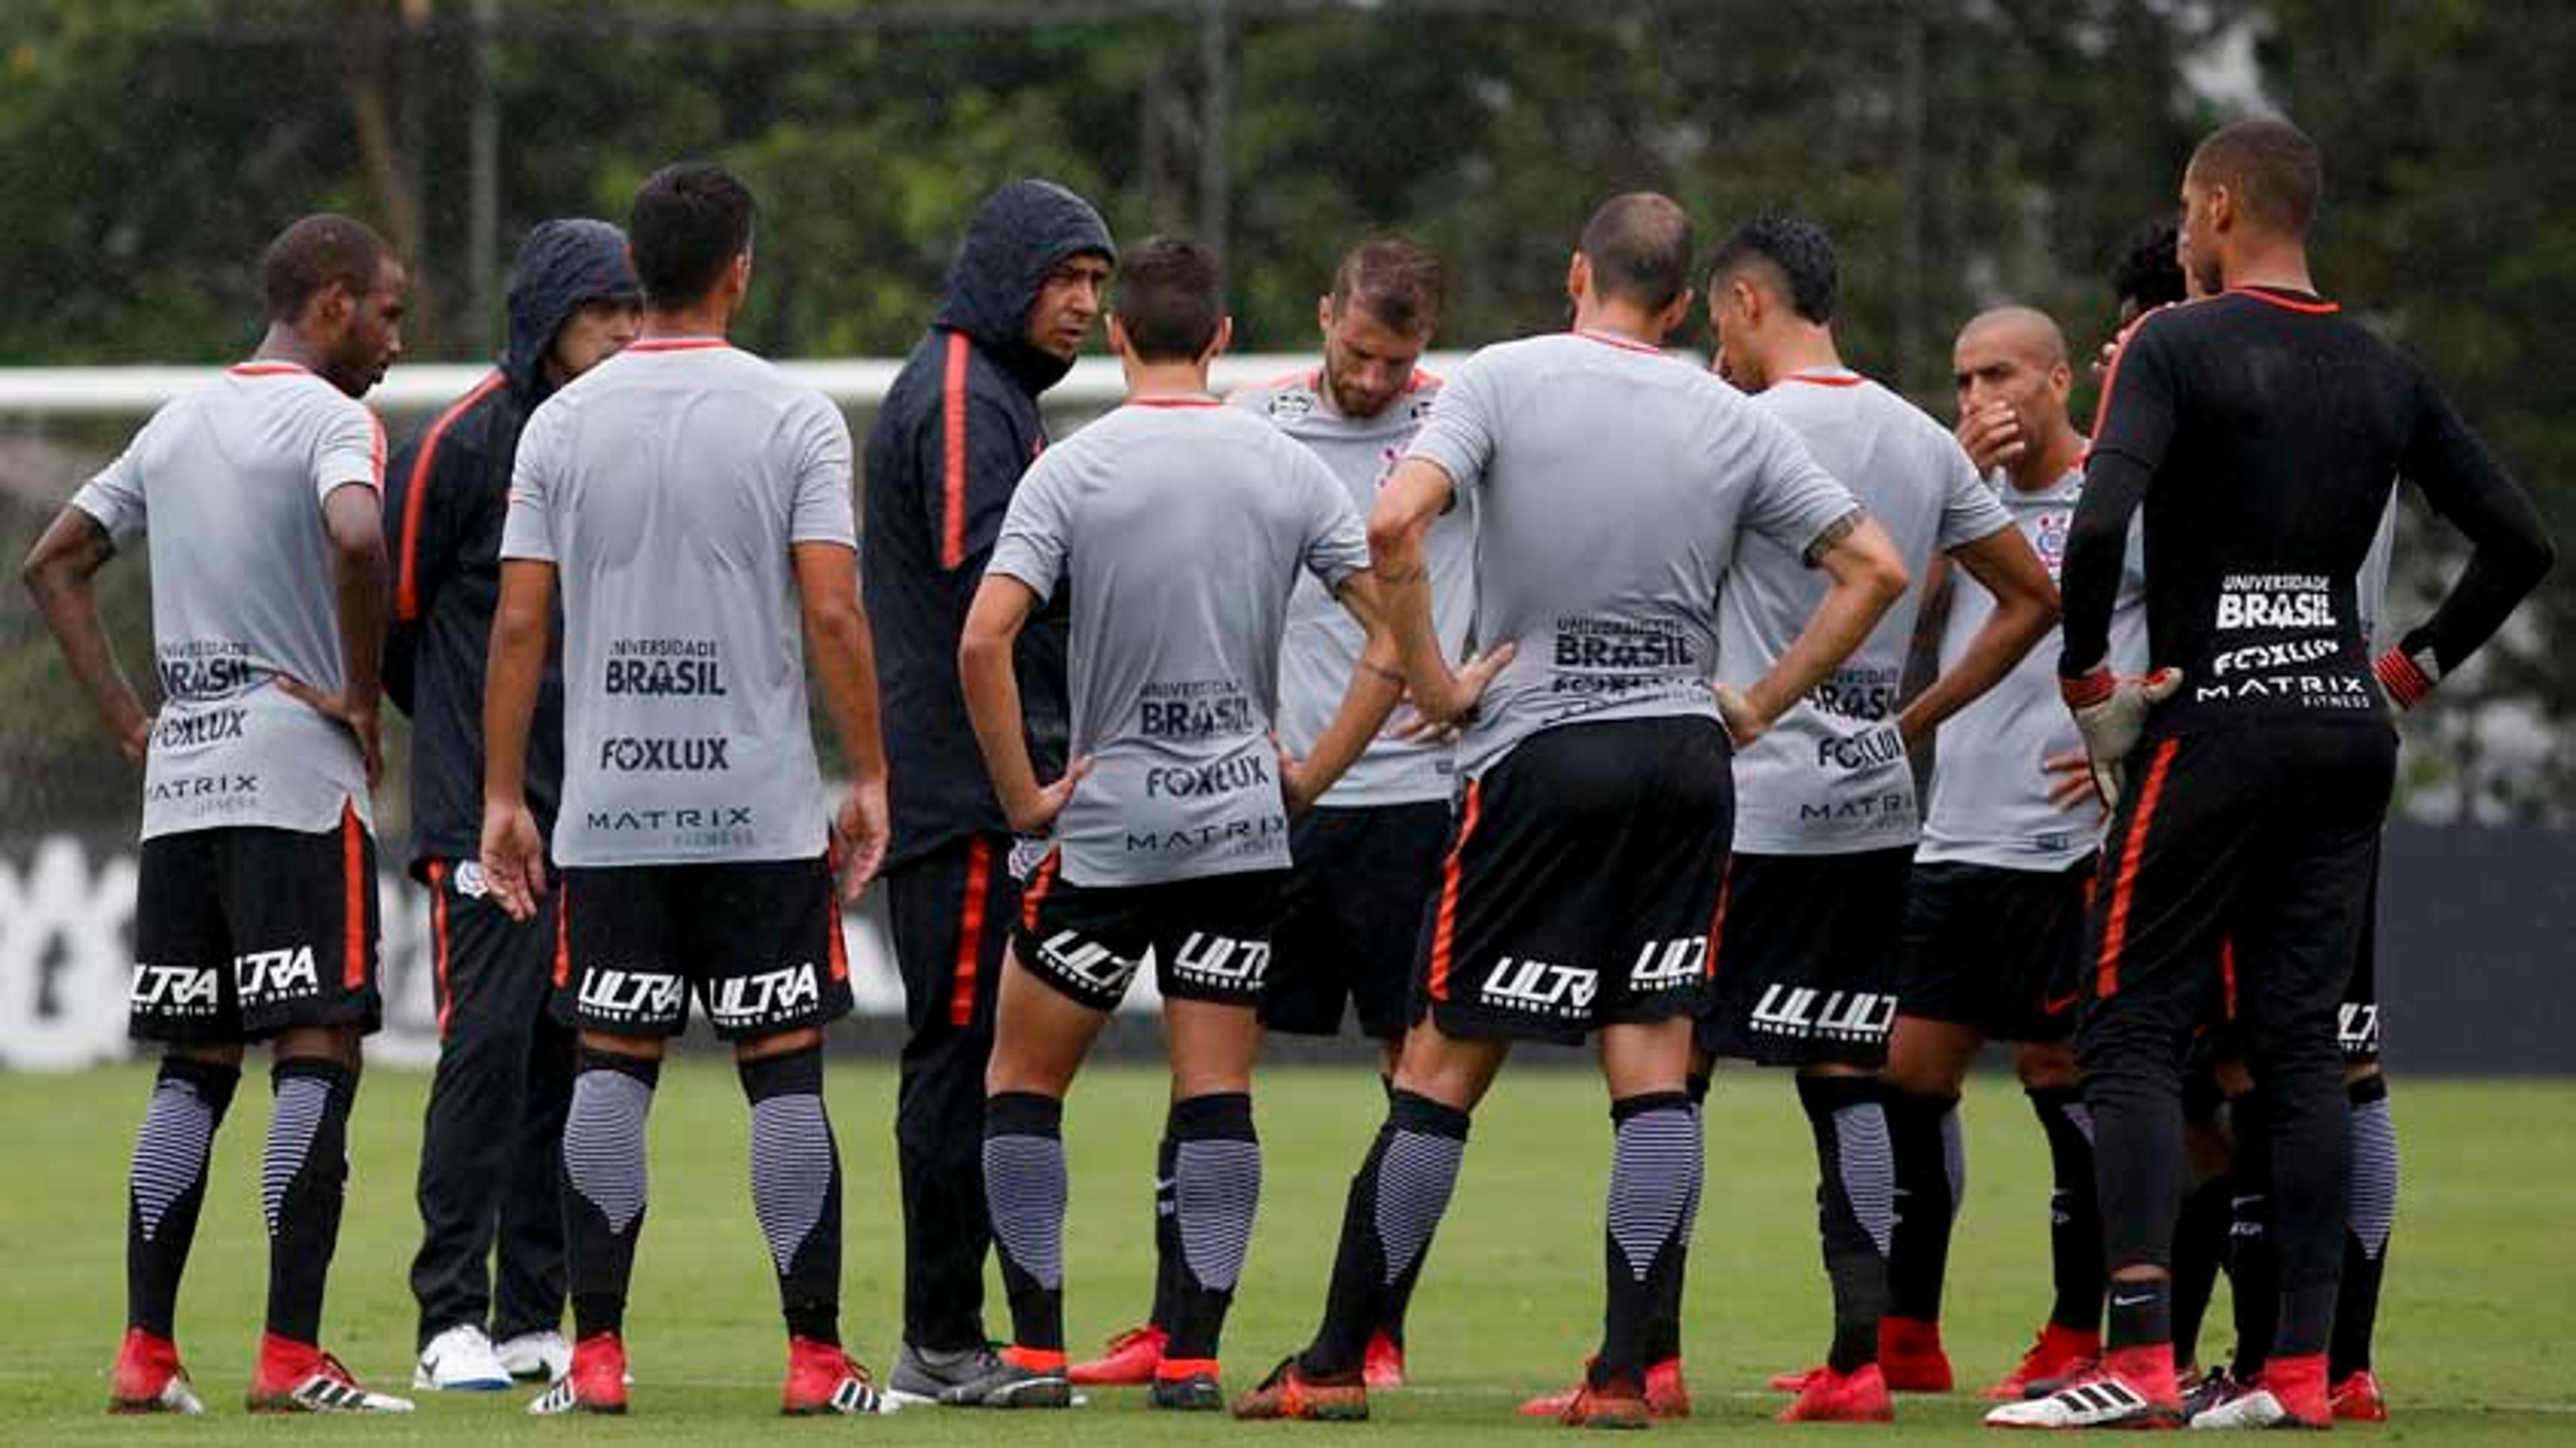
(1576, 696)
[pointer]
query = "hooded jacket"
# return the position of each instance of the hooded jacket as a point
(957, 429)
(446, 492)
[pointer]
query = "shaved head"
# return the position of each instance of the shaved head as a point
(2028, 331)
(2269, 166)
(1639, 245)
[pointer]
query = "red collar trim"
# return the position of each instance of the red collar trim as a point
(1844, 378)
(2288, 301)
(1173, 402)
(677, 344)
(268, 369)
(1625, 344)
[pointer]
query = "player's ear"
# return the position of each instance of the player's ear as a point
(1578, 278)
(1117, 336)
(1224, 338)
(1676, 311)
(1324, 314)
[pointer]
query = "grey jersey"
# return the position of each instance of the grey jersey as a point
(1989, 801)
(1831, 776)
(1324, 641)
(1178, 527)
(667, 486)
(1616, 490)
(228, 481)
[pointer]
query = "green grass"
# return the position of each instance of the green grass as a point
(2481, 1297)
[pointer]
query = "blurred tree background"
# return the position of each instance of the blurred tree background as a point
(1964, 153)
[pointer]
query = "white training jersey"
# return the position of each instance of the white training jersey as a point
(1324, 641)
(227, 480)
(667, 486)
(1831, 775)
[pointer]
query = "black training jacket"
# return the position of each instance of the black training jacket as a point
(446, 492)
(958, 428)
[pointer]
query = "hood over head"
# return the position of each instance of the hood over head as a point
(562, 264)
(1017, 236)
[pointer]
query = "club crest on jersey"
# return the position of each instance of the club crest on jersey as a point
(1214, 960)
(1563, 991)
(629, 996)
(1295, 405)
(276, 975)
(175, 990)
(1090, 963)
(2048, 537)
(1807, 1013)
(1669, 964)
(769, 996)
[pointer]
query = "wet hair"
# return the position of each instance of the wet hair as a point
(315, 253)
(689, 221)
(1798, 255)
(1170, 299)
(1639, 245)
(1396, 281)
(2149, 273)
(2270, 167)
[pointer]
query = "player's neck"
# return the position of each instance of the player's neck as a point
(1804, 349)
(283, 343)
(1149, 381)
(670, 323)
(2281, 267)
(1613, 317)
(2042, 467)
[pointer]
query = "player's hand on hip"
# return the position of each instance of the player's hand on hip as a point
(860, 830)
(514, 858)
(2070, 779)
(1466, 688)
(2111, 713)
(1743, 722)
(359, 722)
(1036, 814)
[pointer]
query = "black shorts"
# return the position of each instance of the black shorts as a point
(2220, 1038)
(758, 942)
(1807, 962)
(1350, 915)
(1208, 938)
(1993, 948)
(242, 932)
(1581, 883)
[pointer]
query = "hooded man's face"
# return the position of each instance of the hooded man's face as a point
(597, 330)
(1068, 304)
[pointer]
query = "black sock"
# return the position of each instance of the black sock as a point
(167, 1185)
(303, 1179)
(2141, 1313)
(1655, 1171)
(2074, 1208)
(2253, 1265)
(1395, 1204)
(1024, 1189)
(603, 1196)
(1167, 1235)
(2200, 1245)
(2370, 1217)
(1216, 1170)
(1696, 1086)
(1855, 1207)
(1931, 1171)
(796, 1188)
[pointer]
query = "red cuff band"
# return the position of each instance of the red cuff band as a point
(2402, 677)
(2089, 690)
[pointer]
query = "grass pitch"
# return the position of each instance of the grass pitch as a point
(2473, 1346)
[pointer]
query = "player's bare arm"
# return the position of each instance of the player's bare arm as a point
(845, 664)
(57, 573)
(514, 854)
(2025, 609)
(1865, 578)
(1001, 609)
(1376, 686)
(362, 578)
(1417, 493)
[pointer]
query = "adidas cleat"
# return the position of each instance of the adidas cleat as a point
(1289, 1393)
(594, 1383)
(149, 1379)
(822, 1379)
(1129, 1361)
(2101, 1400)
(2290, 1392)
(297, 1377)
(535, 1357)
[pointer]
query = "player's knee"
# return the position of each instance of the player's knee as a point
(640, 1048)
(337, 1044)
(225, 1055)
(777, 1043)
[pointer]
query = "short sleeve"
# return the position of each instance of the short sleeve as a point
(1793, 499)
(350, 448)
(115, 496)
(527, 529)
(1969, 509)
(1037, 530)
(1458, 436)
(820, 511)
(1336, 542)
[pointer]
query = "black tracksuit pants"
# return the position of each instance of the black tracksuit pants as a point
(492, 1138)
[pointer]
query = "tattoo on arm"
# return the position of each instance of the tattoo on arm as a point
(1832, 538)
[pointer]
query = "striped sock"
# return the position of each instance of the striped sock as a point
(796, 1188)
(1395, 1204)
(2372, 1213)
(167, 1185)
(1856, 1207)
(604, 1184)
(1655, 1172)
(1024, 1190)
(1216, 1172)
(303, 1178)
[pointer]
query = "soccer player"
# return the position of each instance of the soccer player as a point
(1806, 972)
(1994, 906)
(2249, 774)
(1179, 527)
(255, 904)
(696, 507)
(958, 428)
(1367, 858)
(1614, 487)
(493, 1131)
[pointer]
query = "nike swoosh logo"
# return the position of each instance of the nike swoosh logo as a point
(2050, 1008)
(2133, 1301)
